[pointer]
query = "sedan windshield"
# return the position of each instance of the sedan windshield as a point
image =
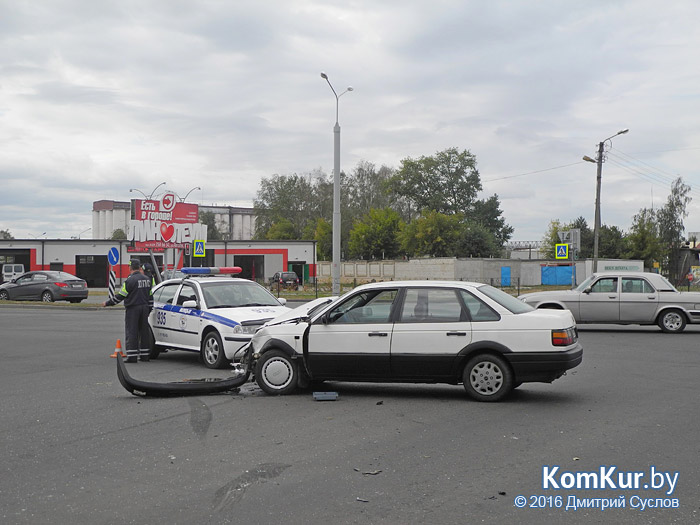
(236, 294)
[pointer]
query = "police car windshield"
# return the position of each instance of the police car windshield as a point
(236, 294)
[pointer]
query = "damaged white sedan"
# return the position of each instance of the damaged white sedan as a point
(418, 332)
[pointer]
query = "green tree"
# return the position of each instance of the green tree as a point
(671, 228)
(375, 236)
(323, 235)
(611, 243)
(487, 213)
(118, 235)
(447, 182)
(476, 240)
(208, 218)
(551, 238)
(6, 235)
(282, 230)
(586, 251)
(288, 198)
(434, 234)
(642, 241)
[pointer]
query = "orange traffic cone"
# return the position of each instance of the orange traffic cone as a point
(118, 349)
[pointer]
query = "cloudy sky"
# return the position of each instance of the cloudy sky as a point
(97, 97)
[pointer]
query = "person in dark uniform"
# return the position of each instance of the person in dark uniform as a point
(138, 301)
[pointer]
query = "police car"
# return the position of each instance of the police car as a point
(210, 312)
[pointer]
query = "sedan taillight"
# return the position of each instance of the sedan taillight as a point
(61, 285)
(563, 337)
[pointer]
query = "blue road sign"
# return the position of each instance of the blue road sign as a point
(562, 251)
(113, 256)
(199, 249)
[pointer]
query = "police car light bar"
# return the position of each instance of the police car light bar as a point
(204, 270)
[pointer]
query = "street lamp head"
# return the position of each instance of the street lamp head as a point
(622, 132)
(323, 75)
(350, 88)
(588, 159)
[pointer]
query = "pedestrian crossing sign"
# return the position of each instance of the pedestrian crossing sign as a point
(562, 251)
(199, 250)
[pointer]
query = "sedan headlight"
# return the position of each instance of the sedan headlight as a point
(245, 329)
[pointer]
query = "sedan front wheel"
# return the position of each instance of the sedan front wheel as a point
(276, 373)
(4, 296)
(213, 351)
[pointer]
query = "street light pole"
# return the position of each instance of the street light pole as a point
(599, 178)
(335, 268)
(183, 199)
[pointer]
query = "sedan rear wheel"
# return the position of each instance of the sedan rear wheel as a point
(213, 351)
(672, 321)
(47, 296)
(487, 378)
(276, 373)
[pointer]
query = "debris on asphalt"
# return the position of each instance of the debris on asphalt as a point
(325, 396)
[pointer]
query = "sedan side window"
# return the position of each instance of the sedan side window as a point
(478, 310)
(40, 277)
(24, 279)
(365, 308)
(606, 285)
(166, 293)
(636, 286)
(432, 305)
(187, 293)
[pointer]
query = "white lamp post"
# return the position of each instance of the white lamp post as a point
(335, 269)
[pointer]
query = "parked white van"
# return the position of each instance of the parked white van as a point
(10, 271)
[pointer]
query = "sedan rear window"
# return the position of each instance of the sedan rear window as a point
(507, 301)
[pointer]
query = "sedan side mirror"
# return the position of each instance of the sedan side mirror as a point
(190, 304)
(587, 291)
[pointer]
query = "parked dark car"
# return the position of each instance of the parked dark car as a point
(47, 286)
(284, 280)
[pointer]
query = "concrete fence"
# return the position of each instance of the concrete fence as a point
(499, 272)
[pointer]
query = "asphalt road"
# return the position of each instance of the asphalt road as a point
(78, 448)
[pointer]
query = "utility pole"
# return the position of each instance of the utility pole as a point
(599, 161)
(596, 226)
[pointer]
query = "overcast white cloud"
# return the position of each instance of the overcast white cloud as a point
(100, 97)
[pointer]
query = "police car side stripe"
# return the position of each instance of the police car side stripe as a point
(197, 313)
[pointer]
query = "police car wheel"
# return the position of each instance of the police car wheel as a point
(213, 351)
(276, 373)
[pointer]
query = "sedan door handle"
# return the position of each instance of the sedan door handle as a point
(377, 334)
(456, 333)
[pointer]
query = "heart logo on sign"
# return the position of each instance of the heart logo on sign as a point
(166, 231)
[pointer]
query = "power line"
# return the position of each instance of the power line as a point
(533, 172)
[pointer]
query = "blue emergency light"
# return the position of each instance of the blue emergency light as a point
(205, 270)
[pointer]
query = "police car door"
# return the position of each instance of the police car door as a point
(186, 319)
(162, 317)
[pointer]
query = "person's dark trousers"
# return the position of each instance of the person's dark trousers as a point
(138, 333)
